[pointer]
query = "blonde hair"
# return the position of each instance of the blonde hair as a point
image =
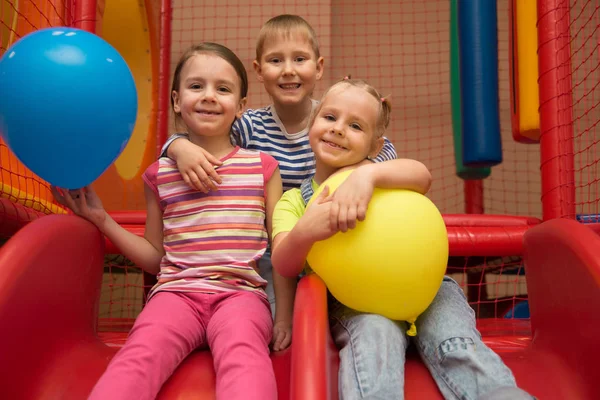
(385, 109)
(286, 25)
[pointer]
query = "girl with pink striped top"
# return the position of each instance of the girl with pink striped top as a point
(204, 247)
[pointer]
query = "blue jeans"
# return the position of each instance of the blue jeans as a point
(373, 348)
(265, 269)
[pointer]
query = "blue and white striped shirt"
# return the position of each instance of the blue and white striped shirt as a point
(260, 129)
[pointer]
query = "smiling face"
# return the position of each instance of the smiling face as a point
(209, 96)
(289, 68)
(344, 131)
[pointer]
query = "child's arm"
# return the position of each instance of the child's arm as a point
(293, 242)
(164, 152)
(196, 165)
(351, 199)
(400, 173)
(145, 252)
(285, 288)
(285, 292)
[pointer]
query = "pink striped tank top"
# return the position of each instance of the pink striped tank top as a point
(213, 241)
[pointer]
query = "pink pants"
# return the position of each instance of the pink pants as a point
(236, 326)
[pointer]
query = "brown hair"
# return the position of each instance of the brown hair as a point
(217, 50)
(286, 24)
(383, 118)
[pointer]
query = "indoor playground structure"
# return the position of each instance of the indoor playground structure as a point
(499, 98)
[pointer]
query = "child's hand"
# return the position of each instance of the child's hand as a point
(315, 222)
(282, 335)
(83, 202)
(350, 201)
(196, 165)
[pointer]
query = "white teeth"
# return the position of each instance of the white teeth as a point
(290, 86)
(334, 145)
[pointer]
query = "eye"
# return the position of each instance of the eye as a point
(329, 117)
(356, 126)
(195, 86)
(274, 60)
(300, 59)
(224, 89)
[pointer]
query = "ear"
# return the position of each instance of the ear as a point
(376, 148)
(175, 97)
(320, 62)
(257, 70)
(242, 107)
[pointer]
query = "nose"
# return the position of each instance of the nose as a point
(209, 93)
(288, 68)
(337, 129)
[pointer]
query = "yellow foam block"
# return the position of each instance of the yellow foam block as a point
(526, 69)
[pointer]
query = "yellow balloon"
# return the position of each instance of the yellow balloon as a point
(393, 262)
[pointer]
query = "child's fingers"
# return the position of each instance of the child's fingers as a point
(212, 159)
(287, 340)
(200, 179)
(322, 198)
(187, 180)
(343, 218)
(60, 197)
(90, 193)
(334, 212)
(351, 217)
(206, 177)
(361, 212)
(327, 199)
(83, 201)
(279, 336)
(323, 195)
(192, 180)
(212, 173)
(70, 202)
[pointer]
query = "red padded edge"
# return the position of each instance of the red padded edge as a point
(562, 263)
(468, 235)
(314, 356)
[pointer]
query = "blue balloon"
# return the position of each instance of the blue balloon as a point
(68, 104)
